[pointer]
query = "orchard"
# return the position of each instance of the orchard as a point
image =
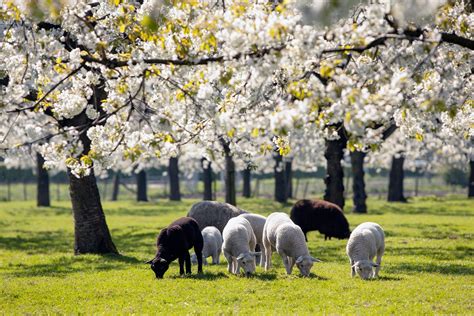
(245, 89)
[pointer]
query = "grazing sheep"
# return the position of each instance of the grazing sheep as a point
(239, 241)
(366, 242)
(174, 242)
(212, 213)
(212, 245)
(282, 235)
(257, 222)
(320, 215)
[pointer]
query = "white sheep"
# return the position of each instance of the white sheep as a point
(287, 238)
(238, 246)
(366, 241)
(212, 245)
(257, 222)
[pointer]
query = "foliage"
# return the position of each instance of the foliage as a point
(455, 176)
(429, 244)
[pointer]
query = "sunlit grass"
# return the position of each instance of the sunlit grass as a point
(428, 266)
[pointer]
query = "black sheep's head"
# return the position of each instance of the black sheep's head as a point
(159, 266)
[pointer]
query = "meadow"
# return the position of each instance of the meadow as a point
(428, 267)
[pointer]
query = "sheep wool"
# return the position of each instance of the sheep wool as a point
(212, 213)
(366, 241)
(239, 242)
(287, 238)
(257, 222)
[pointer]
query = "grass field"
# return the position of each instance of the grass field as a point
(428, 267)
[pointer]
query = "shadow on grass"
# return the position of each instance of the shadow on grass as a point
(387, 278)
(205, 276)
(446, 268)
(62, 266)
(38, 242)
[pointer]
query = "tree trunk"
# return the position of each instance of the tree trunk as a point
(207, 179)
(116, 186)
(289, 178)
(395, 185)
(229, 176)
(280, 181)
(334, 179)
(246, 176)
(42, 189)
(91, 234)
(141, 187)
(173, 173)
(471, 180)
(358, 185)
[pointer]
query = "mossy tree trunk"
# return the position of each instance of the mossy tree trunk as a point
(173, 173)
(358, 184)
(42, 188)
(396, 177)
(207, 178)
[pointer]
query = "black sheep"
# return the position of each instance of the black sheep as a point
(174, 242)
(323, 216)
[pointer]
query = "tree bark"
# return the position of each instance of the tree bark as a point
(358, 184)
(42, 189)
(280, 180)
(207, 179)
(246, 176)
(471, 180)
(229, 176)
(289, 178)
(334, 179)
(91, 234)
(141, 187)
(396, 177)
(173, 173)
(116, 186)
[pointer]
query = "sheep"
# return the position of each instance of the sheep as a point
(174, 242)
(212, 245)
(257, 222)
(366, 241)
(212, 213)
(239, 241)
(320, 215)
(287, 238)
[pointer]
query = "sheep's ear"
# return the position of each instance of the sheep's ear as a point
(315, 259)
(299, 259)
(256, 253)
(374, 264)
(241, 256)
(150, 262)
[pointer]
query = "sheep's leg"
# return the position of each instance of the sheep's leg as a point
(236, 266)
(291, 262)
(181, 264)
(286, 262)
(230, 262)
(353, 271)
(187, 259)
(378, 262)
(267, 250)
(198, 251)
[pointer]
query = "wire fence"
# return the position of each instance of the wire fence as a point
(158, 188)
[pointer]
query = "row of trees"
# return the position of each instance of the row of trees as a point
(121, 84)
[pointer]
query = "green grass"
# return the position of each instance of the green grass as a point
(428, 266)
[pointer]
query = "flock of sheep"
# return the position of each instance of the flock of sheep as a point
(211, 227)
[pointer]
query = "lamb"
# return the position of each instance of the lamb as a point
(257, 222)
(212, 245)
(239, 241)
(212, 213)
(287, 238)
(366, 241)
(320, 215)
(174, 242)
